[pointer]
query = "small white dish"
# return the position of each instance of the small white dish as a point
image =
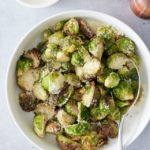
(37, 3)
(139, 117)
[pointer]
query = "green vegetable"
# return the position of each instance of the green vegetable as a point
(67, 144)
(71, 27)
(39, 124)
(112, 80)
(23, 65)
(53, 127)
(126, 46)
(112, 49)
(123, 91)
(59, 25)
(46, 34)
(96, 47)
(78, 129)
(83, 112)
(53, 82)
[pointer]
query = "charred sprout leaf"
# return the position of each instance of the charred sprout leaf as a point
(117, 60)
(39, 92)
(124, 72)
(135, 59)
(90, 141)
(123, 91)
(27, 101)
(106, 33)
(71, 108)
(83, 112)
(34, 55)
(85, 29)
(46, 109)
(115, 114)
(56, 38)
(71, 27)
(112, 80)
(91, 68)
(53, 82)
(72, 79)
(39, 122)
(96, 47)
(81, 128)
(46, 34)
(66, 67)
(126, 46)
(89, 94)
(64, 118)
(53, 127)
(50, 52)
(23, 65)
(109, 128)
(26, 81)
(67, 144)
(77, 95)
(59, 25)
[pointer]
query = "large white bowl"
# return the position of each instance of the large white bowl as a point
(135, 123)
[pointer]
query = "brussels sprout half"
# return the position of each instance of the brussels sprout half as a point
(53, 82)
(39, 122)
(71, 27)
(96, 47)
(53, 127)
(81, 128)
(126, 46)
(46, 34)
(123, 91)
(67, 144)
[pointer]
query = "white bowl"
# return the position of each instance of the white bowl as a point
(135, 123)
(37, 3)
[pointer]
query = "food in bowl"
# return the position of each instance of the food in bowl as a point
(78, 83)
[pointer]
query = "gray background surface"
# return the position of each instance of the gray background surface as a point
(16, 20)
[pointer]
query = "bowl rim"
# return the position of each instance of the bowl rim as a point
(133, 138)
(26, 4)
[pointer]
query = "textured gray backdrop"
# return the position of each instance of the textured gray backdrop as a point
(16, 20)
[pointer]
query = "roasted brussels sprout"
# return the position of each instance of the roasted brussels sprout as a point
(39, 122)
(64, 118)
(53, 82)
(112, 80)
(126, 46)
(71, 43)
(91, 68)
(46, 34)
(56, 38)
(81, 128)
(67, 67)
(79, 72)
(123, 91)
(117, 60)
(23, 65)
(115, 114)
(71, 108)
(112, 49)
(90, 141)
(85, 29)
(72, 79)
(34, 55)
(109, 128)
(65, 94)
(71, 27)
(46, 109)
(59, 25)
(106, 33)
(39, 92)
(27, 101)
(135, 59)
(26, 81)
(67, 144)
(62, 57)
(121, 104)
(83, 112)
(96, 47)
(53, 127)
(89, 94)
(50, 52)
